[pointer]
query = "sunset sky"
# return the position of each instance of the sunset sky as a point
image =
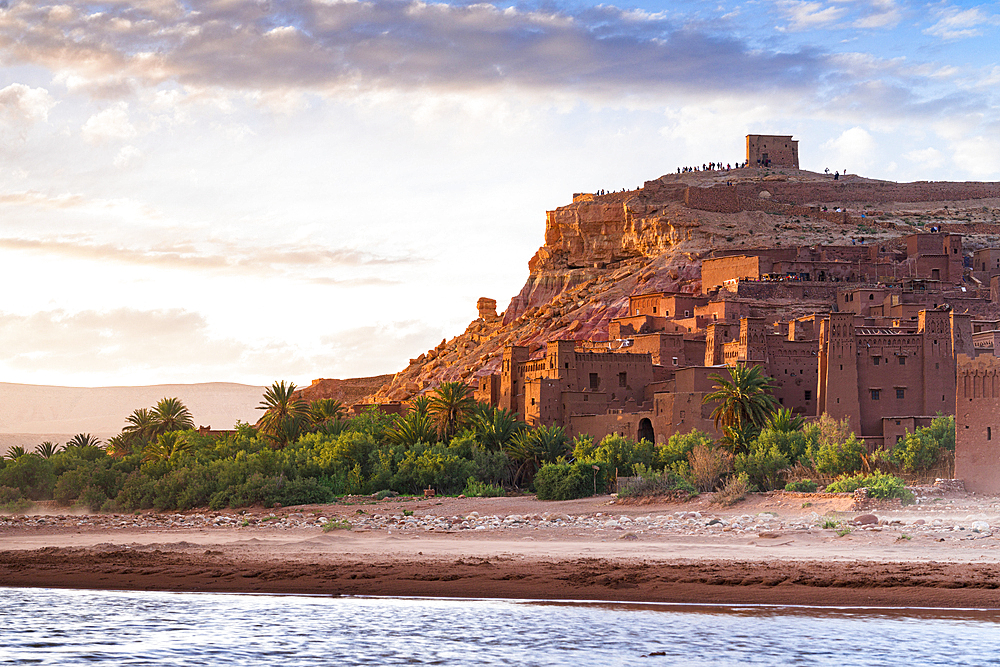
(251, 191)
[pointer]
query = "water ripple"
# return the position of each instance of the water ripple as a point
(59, 627)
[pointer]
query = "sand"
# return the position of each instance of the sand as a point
(936, 554)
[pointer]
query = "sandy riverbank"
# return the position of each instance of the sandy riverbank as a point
(768, 550)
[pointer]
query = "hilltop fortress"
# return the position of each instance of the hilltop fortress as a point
(868, 300)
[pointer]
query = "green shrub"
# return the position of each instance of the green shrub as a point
(879, 484)
(765, 467)
(566, 481)
(12, 501)
(31, 475)
(677, 448)
(917, 451)
(802, 486)
(793, 445)
(942, 429)
(708, 464)
(476, 489)
(837, 459)
(665, 482)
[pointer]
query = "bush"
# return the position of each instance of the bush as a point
(879, 485)
(678, 447)
(838, 459)
(12, 501)
(620, 453)
(765, 467)
(733, 491)
(793, 445)
(658, 483)
(708, 465)
(476, 489)
(802, 486)
(31, 475)
(917, 451)
(566, 481)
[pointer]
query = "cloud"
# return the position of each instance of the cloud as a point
(112, 123)
(218, 256)
(127, 156)
(882, 14)
(23, 105)
(929, 158)
(809, 15)
(957, 23)
(854, 148)
(405, 44)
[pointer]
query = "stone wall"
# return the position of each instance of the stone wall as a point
(977, 423)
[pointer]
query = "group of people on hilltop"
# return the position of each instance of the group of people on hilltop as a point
(605, 192)
(712, 166)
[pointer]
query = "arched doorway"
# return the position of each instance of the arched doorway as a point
(646, 429)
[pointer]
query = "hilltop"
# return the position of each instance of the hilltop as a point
(602, 248)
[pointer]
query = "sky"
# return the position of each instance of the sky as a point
(251, 191)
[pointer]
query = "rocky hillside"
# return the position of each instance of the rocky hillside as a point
(602, 248)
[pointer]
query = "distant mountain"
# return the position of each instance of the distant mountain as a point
(30, 414)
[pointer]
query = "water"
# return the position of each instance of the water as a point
(59, 627)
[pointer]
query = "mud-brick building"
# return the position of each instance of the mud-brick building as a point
(977, 423)
(790, 358)
(772, 150)
(868, 374)
(566, 382)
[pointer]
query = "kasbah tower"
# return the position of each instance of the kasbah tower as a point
(894, 322)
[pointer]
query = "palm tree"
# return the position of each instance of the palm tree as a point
(170, 415)
(83, 440)
(121, 445)
(16, 452)
(742, 401)
(784, 421)
(413, 427)
(285, 415)
(531, 449)
(326, 410)
(140, 425)
(495, 427)
(451, 406)
(47, 449)
(165, 446)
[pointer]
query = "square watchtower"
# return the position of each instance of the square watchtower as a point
(772, 150)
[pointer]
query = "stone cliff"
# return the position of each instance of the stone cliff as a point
(602, 248)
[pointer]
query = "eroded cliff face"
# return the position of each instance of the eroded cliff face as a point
(602, 248)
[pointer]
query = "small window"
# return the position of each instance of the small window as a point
(595, 381)
(675, 361)
(567, 365)
(687, 313)
(586, 398)
(876, 360)
(875, 393)
(900, 392)
(809, 394)
(871, 297)
(682, 416)
(937, 366)
(654, 310)
(622, 379)
(532, 401)
(842, 367)
(902, 361)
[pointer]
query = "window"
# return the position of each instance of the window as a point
(875, 393)
(675, 361)
(871, 297)
(567, 365)
(842, 367)
(875, 360)
(809, 394)
(682, 416)
(654, 310)
(902, 361)
(595, 381)
(532, 401)
(900, 393)
(622, 379)
(687, 313)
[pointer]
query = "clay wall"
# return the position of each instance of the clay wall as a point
(488, 390)
(715, 272)
(724, 309)
(977, 423)
(847, 191)
(986, 264)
